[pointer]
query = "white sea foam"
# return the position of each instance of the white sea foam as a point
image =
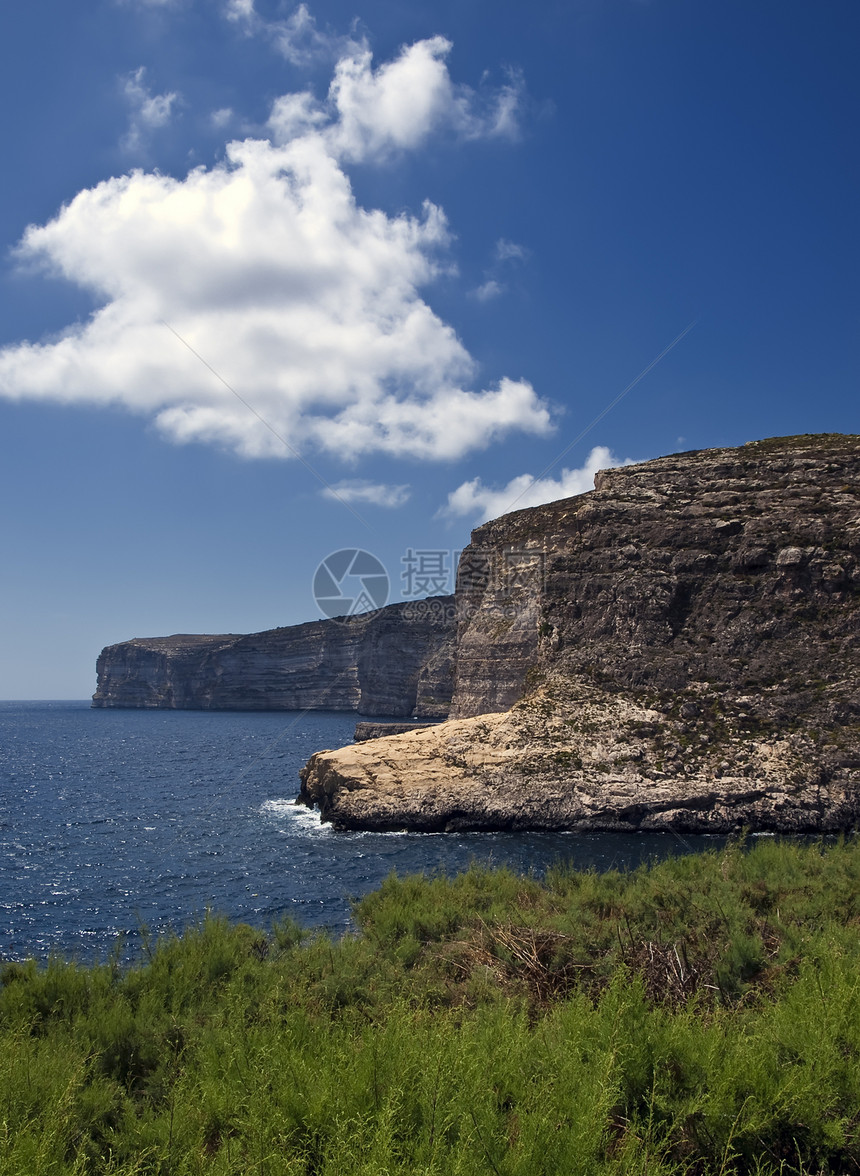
(297, 815)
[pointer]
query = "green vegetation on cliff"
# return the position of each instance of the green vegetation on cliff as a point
(700, 1016)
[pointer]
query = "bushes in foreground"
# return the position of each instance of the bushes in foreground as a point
(699, 1016)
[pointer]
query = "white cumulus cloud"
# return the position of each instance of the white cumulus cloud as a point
(297, 298)
(360, 490)
(479, 502)
(402, 102)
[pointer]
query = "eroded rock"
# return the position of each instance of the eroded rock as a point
(676, 649)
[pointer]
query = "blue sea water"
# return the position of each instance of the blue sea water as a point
(115, 819)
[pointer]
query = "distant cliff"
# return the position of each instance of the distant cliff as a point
(679, 648)
(396, 661)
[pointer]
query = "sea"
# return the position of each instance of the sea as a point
(116, 824)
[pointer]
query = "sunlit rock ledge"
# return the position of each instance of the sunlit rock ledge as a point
(559, 762)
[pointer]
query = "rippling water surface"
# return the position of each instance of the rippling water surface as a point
(113, 819)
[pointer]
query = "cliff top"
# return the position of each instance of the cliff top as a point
(180, 641)
(770, 463)
(429, 609)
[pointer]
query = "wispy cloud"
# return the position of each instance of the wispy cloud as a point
(303, 300)
(478, 502)
(221, 118)
(297, 38)
(505, 253)
(240, 10)
(488, 290)
(509, 251)
(148, 111)
(373, 493)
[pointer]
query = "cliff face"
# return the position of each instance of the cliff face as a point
(735, 567)
(396, 661)
(680, 648)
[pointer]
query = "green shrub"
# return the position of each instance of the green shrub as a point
(698, 1016)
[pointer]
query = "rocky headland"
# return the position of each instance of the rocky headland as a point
(677, 649)
(395, 661)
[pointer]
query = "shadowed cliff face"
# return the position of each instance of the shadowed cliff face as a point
(679, 648)
(396, 661)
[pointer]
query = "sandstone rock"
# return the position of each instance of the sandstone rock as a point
(592, 762)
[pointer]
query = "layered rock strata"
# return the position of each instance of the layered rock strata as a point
(396, 661)
(679, 648)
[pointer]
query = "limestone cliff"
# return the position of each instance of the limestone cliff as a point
(396, 661)
(678, 648)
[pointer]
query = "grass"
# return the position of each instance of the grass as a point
(698, 1016)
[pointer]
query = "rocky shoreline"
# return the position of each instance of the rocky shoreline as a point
(586, 764)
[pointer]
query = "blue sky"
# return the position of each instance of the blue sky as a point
(279, 280)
